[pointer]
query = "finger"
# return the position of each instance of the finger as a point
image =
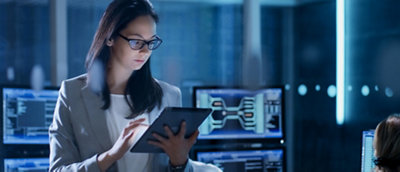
(137, 121)
(158, 144)
(159, 138)
(192, 139)
(129, 135)
(129, 128)
(170, 134)
(134, 125)
(182, 130)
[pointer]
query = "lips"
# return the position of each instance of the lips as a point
(139, 61)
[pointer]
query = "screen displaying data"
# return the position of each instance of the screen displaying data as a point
(27, 115)
(26, 165)
(245, 161)
(240, 113)
(367, 153)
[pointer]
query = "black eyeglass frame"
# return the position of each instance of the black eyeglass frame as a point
(145, 42)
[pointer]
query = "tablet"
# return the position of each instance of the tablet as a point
(171, 116)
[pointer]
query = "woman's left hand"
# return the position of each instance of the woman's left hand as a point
(177, 146)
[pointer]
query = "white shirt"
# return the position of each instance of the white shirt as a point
(116, 122)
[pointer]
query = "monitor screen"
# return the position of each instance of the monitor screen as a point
(25, 164)
(248, 160)
(240, 113)
(367, 153)
(27, 115)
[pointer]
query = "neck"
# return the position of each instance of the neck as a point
(117, 80)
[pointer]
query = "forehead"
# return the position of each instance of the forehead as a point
(142, 25)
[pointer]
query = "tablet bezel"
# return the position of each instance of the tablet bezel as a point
(171, 116)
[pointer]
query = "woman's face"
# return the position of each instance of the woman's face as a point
(122, 55)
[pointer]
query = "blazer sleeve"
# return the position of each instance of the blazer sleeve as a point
(64, 153)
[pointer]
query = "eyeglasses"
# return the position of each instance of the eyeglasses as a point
(137, 44)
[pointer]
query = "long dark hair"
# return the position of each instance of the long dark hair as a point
(388, 144)
(144, 92)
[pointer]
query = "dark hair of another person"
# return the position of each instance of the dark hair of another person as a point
(144, 92)
(388, 144)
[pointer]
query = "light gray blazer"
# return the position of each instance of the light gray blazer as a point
(79, 131)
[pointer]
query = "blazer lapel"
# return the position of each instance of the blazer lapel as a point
(97, 117)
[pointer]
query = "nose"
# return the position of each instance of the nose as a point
(145, 49)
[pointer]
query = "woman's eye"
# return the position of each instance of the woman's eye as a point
(135, 43)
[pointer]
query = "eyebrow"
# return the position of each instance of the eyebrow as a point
(135, 34)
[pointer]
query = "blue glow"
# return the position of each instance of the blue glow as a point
(287, 87)
(317, 88)
(302, 90)
(365, 90)
(389, 92)
(340, 65)
(350, 88)
(376, 88)
(331, 91)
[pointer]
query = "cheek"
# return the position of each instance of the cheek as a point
(145, 56)
(117, 51)
(148, 56)
(121, 49)
(126, 54)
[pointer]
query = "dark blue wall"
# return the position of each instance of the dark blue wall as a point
(372, 59)
(317, 139)
(24, 40)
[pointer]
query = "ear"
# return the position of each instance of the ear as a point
(110, 42)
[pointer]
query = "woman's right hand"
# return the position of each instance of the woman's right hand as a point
(120, 147)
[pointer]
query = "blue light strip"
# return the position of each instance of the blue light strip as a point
(340, 62)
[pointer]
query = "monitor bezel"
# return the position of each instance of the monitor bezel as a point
(194, 153)
(17, 150)
(273, 141)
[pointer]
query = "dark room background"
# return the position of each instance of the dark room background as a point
(203, 44)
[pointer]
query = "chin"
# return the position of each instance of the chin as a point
(137, 67)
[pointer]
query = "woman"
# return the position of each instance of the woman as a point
(387, 145)
(98, 117)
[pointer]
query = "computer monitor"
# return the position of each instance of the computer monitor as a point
(241, 113)
(245, 160)
(26, 164)
(27, 114)
(367, 153)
